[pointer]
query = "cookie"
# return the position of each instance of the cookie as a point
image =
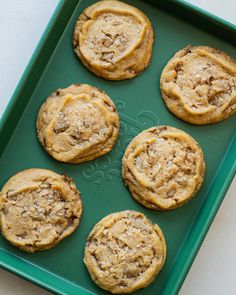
(38, 208)
(198, 85)
(113, 40)
(78, 124)
(163, 167)
(125, 252)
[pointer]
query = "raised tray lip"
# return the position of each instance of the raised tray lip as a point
(201, 223)
(205, 13)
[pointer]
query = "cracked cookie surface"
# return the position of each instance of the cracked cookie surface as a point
(114, 40)
(78, 124)
(39, 208)
(125, 252)
(198, 85)
(163, 167)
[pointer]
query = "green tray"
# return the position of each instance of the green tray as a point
(55, 65)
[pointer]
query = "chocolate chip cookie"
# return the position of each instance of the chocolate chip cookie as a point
(163, 167)
(113, 40)
(77, 124)
(198, 85)
(125, 252)
(39, 208)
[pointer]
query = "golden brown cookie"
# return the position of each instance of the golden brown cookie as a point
(163, 167)
(113, 40)
(198, 85)
(125, 252)
(78, 124)
(38, 208)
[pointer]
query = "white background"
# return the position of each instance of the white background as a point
(22, 22)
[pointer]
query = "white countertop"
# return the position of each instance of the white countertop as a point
(21, 24)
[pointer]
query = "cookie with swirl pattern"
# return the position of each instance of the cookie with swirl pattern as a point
(39, 208)
(198, 85)
(113, 40)
(163, 167)
(125, 252)
(78, 123)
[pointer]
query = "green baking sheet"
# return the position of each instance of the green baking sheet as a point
(140, 106)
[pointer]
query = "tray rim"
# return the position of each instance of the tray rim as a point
(205, 13)
(200, 225)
